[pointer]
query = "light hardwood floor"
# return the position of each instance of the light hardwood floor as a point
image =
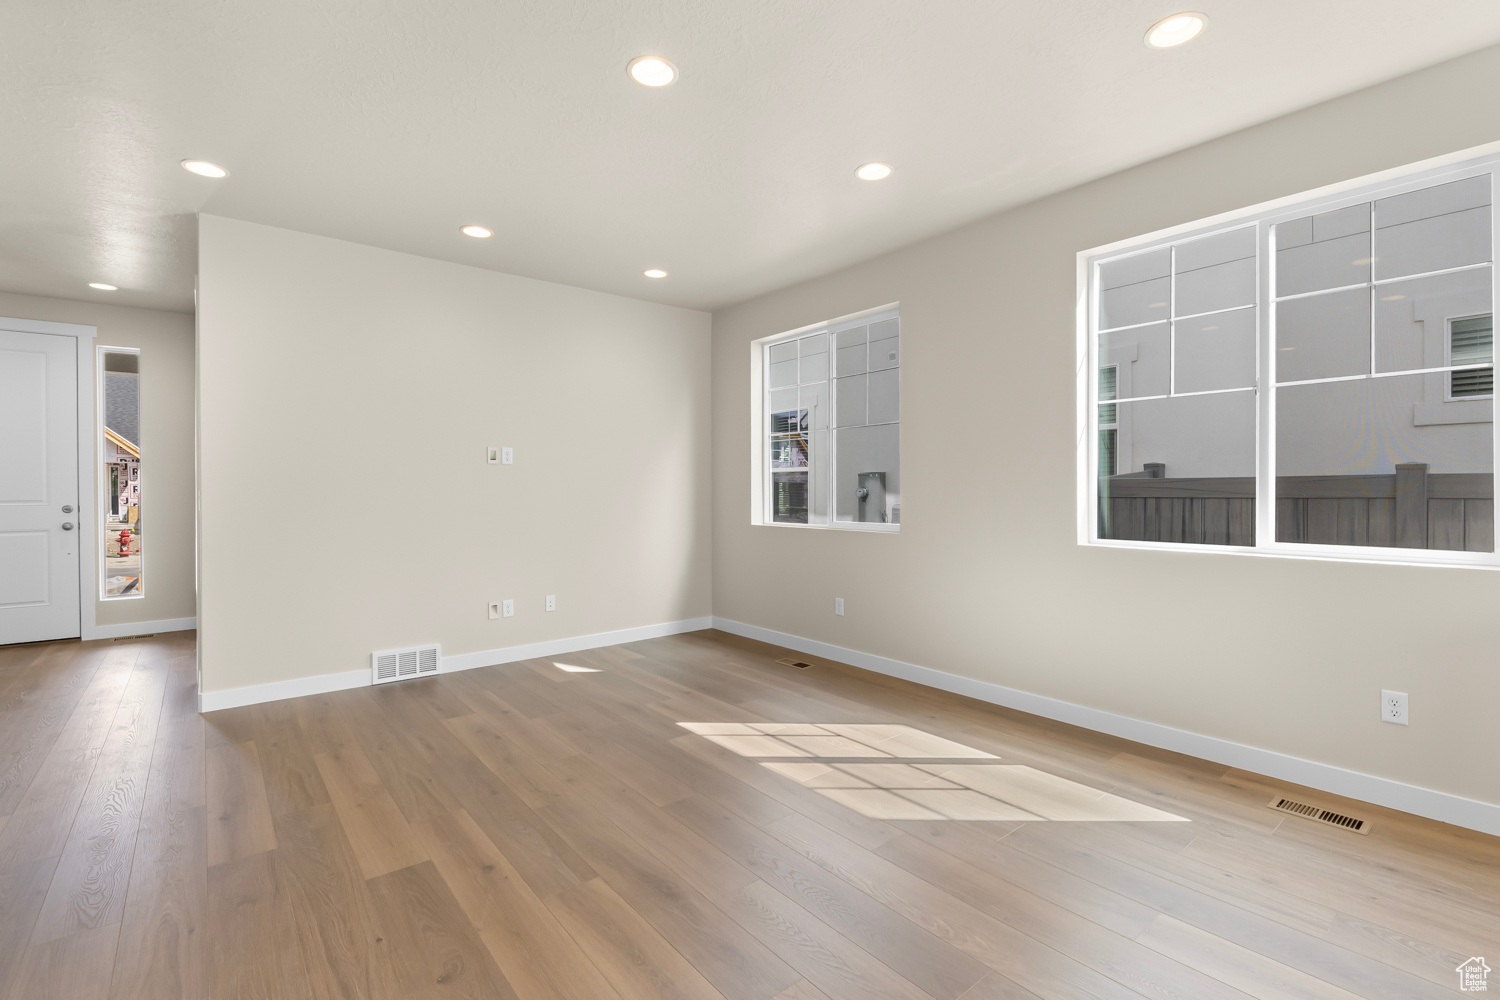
(524, 831)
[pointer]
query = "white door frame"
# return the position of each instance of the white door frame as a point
(87, 472)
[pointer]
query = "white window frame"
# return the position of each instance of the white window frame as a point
(760, 370)
(1468, 163)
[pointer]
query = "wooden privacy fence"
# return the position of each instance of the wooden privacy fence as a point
(1411, 509)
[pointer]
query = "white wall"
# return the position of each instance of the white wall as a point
(165, 340)
(346, 398)
(1286, 655)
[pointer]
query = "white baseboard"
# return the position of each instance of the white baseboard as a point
(556, 647)
(1441, 806)
(139, 628)
(297, 687)
(254, 694)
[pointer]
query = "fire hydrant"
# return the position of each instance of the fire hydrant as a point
(125, 542)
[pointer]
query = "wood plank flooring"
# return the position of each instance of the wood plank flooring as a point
(524, 832)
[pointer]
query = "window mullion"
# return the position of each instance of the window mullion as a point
(1265, 396)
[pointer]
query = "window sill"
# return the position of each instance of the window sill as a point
(889, 529)
(1367, 554)
(1454, 411)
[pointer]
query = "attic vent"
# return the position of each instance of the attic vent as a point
(399, 664)
(1321, 815)
(801, 664)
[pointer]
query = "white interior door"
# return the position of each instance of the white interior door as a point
(39, 510)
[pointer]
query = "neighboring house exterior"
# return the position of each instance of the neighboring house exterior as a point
(1332, 428)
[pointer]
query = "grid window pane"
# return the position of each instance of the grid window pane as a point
(1323, 336)
(783, 373)
(1217, 272)
(814, 400)
(1216, 352)
(1107, 452)
(789, 497)
(884, 402)
(1330, 250)
(1143, 357)
(852, 400)
(885, 353)
(867, 483)
(813, 359)
(1412, 317)
(1135, 289)
(1180, 470)
(1447, 225)
(1356, 466)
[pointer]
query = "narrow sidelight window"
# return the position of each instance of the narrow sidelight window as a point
(123, 533)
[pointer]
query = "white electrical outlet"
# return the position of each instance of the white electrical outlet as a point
(838, 605)
(494, 610)
(493, 454)
(1393, 707)
(506, 456)
(551, 602)
(507, 609)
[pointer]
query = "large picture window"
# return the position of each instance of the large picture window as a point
(832, 406)
(1315, 379)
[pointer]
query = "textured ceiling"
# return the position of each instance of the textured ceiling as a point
(393, 122)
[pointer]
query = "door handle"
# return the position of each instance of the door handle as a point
(67, 508)
(67, 525)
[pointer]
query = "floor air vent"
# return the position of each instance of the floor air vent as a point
(800, 664)
(399, 664)
(1321, 815)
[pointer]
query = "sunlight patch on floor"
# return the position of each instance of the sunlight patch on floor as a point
(914, 788)
(830, 739)
(569, 668)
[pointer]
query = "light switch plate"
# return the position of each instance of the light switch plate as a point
(838, 605)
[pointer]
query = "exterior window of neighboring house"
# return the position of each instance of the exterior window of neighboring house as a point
(120, 474)
(1108, 449)
(1471, 342)
(832, 423)
(1313, 379)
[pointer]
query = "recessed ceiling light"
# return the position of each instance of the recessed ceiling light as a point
(873, 172)
(478, 232)
(654, 272)
(1175, 30)
(103, 287)
(204, 169)
(651, 71)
